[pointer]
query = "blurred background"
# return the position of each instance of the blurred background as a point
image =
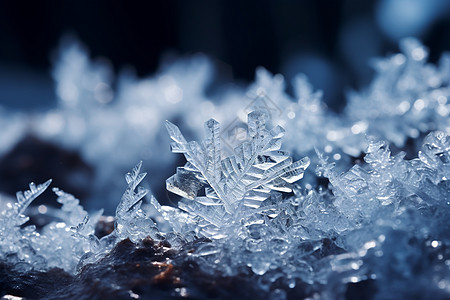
(332, 42)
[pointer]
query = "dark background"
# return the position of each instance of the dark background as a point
(330, 41)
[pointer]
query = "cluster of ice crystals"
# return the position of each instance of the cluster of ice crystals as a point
(314, 238)
(97, 112)
(408, 95)
(327, 237)
(383, 220)
(378, 219)
(53, 246)
(318, 237)
(69, 242)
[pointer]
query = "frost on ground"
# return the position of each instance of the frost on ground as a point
(381, 223)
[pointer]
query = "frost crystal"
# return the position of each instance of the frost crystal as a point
(131, 220)
(24, 199)
(235, 184)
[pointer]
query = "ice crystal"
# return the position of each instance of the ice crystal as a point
(24, 199)
(132, 221)
(64, 242)
(235, 183)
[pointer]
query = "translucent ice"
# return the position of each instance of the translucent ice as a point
(236, 184)
(380, 222)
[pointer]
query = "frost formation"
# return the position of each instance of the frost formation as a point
(382, 221)
(235, 183)
(407, 99)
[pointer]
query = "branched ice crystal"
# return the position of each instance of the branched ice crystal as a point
(63, 243)
(235, 183)
(13, 216)
(24, 199)
(132, 221)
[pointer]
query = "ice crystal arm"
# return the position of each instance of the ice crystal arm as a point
(71, 206)
(212, 145)
(131, 199)
(132, 221)
(24, 199)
